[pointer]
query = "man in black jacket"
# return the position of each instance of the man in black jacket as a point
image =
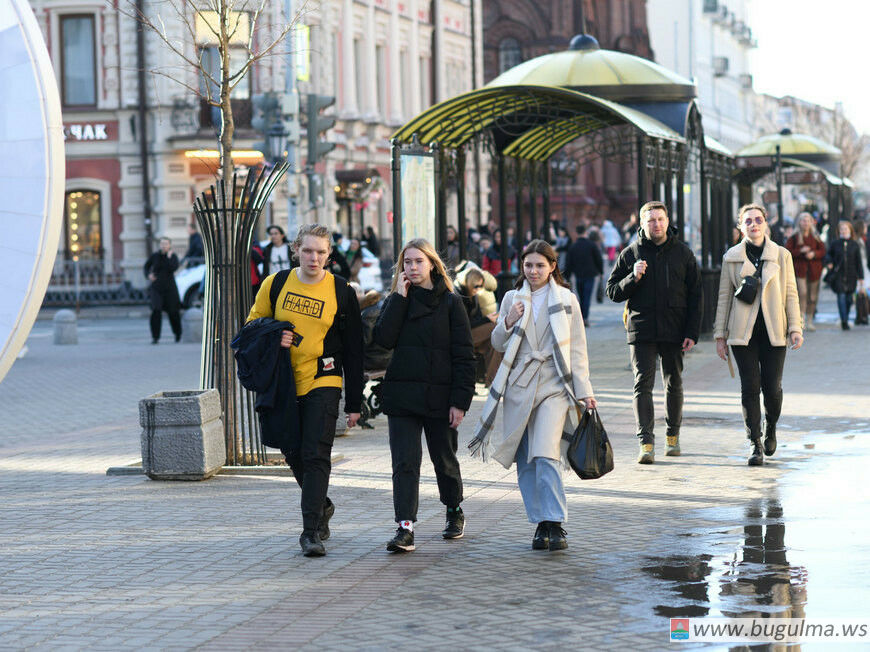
(659, 278)
(585, 263)
(160, 269)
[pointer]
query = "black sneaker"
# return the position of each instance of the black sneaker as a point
(402, 542)
(557, 537)
(455, 527)
(311, 544)
(541, 540)
(328, 511)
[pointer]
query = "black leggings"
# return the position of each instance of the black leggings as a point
(760, 365)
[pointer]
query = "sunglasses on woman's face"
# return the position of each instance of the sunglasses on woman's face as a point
(477, 287)
(757, 219)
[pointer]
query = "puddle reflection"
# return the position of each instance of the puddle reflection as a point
(756, 580)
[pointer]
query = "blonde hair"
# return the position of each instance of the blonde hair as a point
(317, 230)
(800, 233)
(426, 248)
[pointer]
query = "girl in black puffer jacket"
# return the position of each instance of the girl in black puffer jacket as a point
(428, 385)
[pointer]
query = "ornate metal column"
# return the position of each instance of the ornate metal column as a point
(226, 218)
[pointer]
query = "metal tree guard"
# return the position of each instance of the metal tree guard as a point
(226, 222)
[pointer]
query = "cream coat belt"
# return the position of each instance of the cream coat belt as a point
(528, 365)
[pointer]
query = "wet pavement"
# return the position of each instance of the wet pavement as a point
(98, 562)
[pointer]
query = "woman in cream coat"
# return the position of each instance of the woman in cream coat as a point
(540, 329)
(758, 332)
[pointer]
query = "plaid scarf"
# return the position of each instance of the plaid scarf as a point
(558, 309)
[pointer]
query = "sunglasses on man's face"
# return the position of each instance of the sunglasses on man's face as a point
(757, 219)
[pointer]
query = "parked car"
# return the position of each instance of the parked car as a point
(189, 283)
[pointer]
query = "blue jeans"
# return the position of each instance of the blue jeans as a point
(541, 486)
(844, 305)
(585, 286)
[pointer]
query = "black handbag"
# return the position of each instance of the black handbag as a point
(748, 288)
(589, 450)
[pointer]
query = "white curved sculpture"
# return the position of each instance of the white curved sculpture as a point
(31, 175)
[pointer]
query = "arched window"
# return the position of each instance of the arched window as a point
(83, 226)
(509, 54)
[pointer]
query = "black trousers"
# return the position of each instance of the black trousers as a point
(643, 362)
(760, 365)
(310, 454)
(407, 453)
(162, 300)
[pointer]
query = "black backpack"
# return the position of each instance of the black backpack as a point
(340, 295)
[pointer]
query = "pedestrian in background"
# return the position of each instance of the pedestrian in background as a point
(612, 240)
(544, 371)
(808, 253)
(325, 344)
(163, 294)
(428, 385)
(757, 326)
(491, 260)
(195, 254)
(276, 254)
(585, 264)
(452, 258)
(846, 269)
(562, 244)
(482, 324)
(371, 241)
(658, 277)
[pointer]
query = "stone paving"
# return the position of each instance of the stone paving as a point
(98, 562)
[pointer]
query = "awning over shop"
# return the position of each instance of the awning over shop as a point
(529, 121)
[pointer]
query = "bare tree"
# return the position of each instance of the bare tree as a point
(234, 25)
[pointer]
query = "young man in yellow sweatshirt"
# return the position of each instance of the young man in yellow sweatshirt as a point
(325, 343)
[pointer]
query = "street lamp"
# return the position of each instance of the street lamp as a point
(276, 141)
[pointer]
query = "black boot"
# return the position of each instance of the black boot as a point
(557, 537)
(311, 544)
(328, 511)
(541, 540)
(769, 438)
(756, 458)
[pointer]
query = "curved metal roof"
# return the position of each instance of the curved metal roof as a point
(716, 147)
(794, 145)
(530, 121)
(612, 75)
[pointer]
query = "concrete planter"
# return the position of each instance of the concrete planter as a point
(182, 435)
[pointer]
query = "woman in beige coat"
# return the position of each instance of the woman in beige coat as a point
(544, 371)
(758, 330)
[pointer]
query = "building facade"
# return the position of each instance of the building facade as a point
(383, 60)
(710, 42)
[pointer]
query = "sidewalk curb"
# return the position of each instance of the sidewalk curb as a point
(135, 468)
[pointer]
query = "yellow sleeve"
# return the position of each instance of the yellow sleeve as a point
(262, 303)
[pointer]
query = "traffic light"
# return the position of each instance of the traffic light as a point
(266, 109)
(317, 124)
